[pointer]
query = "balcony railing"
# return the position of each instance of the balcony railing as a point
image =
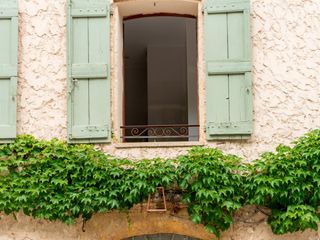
(179, 132)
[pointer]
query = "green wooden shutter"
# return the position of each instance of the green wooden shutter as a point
(228, 64)
(8, 68)
(89, 81)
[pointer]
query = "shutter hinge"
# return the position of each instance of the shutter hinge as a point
(111, 11)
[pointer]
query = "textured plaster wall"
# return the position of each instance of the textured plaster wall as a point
(42, 92)
(286, 84)
(286, 75)
(249, 225)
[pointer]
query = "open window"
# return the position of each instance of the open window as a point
(139, 81)
(160, 79)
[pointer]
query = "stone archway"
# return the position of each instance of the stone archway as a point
(162, 236)
(138, 224)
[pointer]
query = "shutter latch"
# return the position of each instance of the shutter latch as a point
(74, 82)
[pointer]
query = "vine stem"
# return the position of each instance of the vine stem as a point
(262, 211)
(83, 225)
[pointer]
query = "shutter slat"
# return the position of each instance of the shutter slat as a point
(228, 67)
(227, 128)
(89, 85)
(89, 131)
(228, 62)
(7, 71)
(8, 13)
(8, 8)
(90, 70)
(217, 98)
(89, 12)
(226, 7)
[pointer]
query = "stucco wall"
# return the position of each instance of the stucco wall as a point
(286, 70)
(286, 81)
(249, 225)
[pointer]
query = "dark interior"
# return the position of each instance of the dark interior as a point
(160, 83)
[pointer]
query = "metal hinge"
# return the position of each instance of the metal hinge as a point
(111, 10)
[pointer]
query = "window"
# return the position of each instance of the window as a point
(8, 68)
(160, 82)
(228, 99)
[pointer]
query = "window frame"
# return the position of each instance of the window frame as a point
(118, 106)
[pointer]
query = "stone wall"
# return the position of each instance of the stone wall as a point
(286, 70)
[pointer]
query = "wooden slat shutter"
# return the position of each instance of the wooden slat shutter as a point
(228, 64)
(89, 81)
(8, 68)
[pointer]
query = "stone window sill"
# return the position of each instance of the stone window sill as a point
(158, 144)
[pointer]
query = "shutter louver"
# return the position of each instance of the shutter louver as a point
(8, 68)
(89, 82)
(228, 64)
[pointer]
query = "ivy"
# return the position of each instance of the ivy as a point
(55, 181)
(212, 187)
(288, 182)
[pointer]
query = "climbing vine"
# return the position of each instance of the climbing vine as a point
(55, 181)
(212, 186)
(288, 182)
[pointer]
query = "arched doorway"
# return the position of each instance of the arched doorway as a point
(163, 236)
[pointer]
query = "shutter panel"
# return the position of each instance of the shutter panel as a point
(8, 68)
(228, 64)
(89, 81)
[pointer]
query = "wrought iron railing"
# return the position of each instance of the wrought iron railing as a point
(154, 132)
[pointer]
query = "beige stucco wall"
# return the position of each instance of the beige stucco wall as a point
(286, 74)
(286, 82)
(249, 225)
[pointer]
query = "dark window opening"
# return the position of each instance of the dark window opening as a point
(160, 79)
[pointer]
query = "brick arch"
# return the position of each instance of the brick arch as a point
(162, 236)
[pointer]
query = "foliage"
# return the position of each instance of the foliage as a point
(288, 182)
(56, 181)
(212, 187)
